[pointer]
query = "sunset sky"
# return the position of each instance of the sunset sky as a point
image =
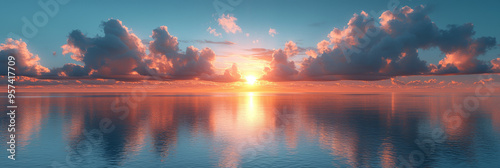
(252, 45)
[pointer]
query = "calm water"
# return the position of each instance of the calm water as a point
(253, 130)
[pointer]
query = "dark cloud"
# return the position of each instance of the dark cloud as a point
(69, 70)
(462, 50)
(121, 55)
(367, 50)
(168, 61)
(165, 59)
(118, 53)
(280, 69)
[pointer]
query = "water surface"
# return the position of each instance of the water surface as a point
(253, 130)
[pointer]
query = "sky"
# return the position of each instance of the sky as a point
(232, 43)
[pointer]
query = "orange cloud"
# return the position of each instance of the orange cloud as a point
(26, 62)
(291, 49)
(496, 64)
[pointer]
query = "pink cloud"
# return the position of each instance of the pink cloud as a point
(228, 23)
(323, 47)
(26, 62)
(311, 53)
(213, 31)
(272, 32)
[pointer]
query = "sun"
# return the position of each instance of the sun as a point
(251, 80)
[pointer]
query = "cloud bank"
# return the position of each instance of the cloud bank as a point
(369, 50)
(121, 55)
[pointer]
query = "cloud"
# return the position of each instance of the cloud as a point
(496, 64)
(26, 63)
(216, 42)
(311, 53)
(68, 70)
(166, 60)
(367, 50)
(455, 83)
(118, 53)
(231, 74)
(261, 53)
(291, 49)
(414, 82)
(228, 23)
(280, 69)
(225, 42)
(323, 47)
(33, 81)
(272, 32)
(212, 31)
(462, 50)
(397, 82)
(483, 81)
(430, 83)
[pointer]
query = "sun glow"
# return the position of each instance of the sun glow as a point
(251, 80)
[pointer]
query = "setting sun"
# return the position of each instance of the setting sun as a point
(251, 80)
